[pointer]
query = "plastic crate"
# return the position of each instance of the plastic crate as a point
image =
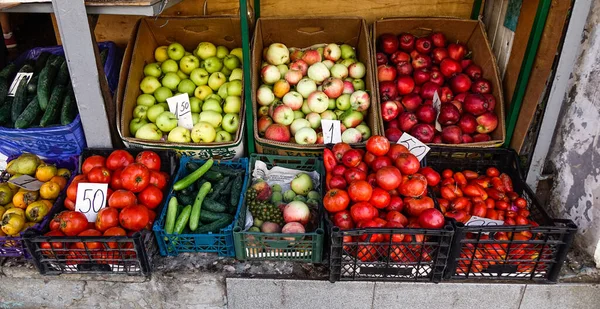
(476, 254)
(306, 247)
(14, 246)
(131, 255)
(221, 243)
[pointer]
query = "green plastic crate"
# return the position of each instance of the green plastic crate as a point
(307, 247)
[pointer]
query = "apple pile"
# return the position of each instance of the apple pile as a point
(410, 70)
(299, 88)
(211, 76)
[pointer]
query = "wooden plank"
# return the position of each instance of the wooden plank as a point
(8, 5)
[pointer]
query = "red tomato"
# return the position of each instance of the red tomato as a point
(460, 179)
(353, 174)
(378, 145)
(329, 160)
(107, 218)
(343, 220)
(90, 245)
(394, 237)
(151, 197)
(369, 158)
(363, 211)
(134, 218)
(151, 218)
(433, 177)
(414, 206)
(447, 173)
(460, 203)
(55, 222)
(520, 203)
(360, 191)
(54, 244)
(407, 163)
(367, 253)
(396, 204)
(72, 223)
(122, 199)
(135, 177)
(491, 214)
(396, 150)
(395, 216)
(336, 200)
(413, 185)
(479, 209)
(388, 178)
(115, 231)
(116, 182)
(99, 174)
(380, 198)
(118, 159)
(458, 215)
(502, 205)
(352, 158)
(150, 159)
(372, 224)
(72, 189)
(363, 167)
(159, 179)
(381, 162)
(339, 150)
(492, 172)
(92, 162)
(69, 204)
(431, 219)
(520, 220)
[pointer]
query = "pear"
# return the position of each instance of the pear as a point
(25, 164)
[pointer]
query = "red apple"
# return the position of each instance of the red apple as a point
(465, 63)
(487, 122)
(481, 138)
(438, 39)
(423, 132)
(399, 56)
(391, 124)
(439, 54)
(437, 138)
(458, 105)
(411, 102)
(421, 61)
(423, 45)
(448, 114)
(428, 89)
(460, 97)
(491, 101)
(467, 123)
(388, 43)
(406, 121)
(426, 113)
(446, 95)
(457, 51)
(466, 138)
(405, 84)
(404, 68)
(386, 73)
(381, 58)
(407, 42)
(449, 67)
(452, 135)
(389, 110)
(421, 76)
(388, 90)
(393, 134)
(460, 83)
(263, 123)
(278, 132)
(416, 90)
(437, 77)
(475, 104)
(473, 71)
(481, 86)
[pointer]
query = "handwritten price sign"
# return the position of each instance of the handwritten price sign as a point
(332, 132)
(180, 106)
(479, 221)
(91, 198)
(415, 146)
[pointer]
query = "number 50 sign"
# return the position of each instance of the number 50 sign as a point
(91, 198)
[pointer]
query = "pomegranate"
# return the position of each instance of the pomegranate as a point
(449, 67)
(481, 86)
(452, 135)
(468, 123)
(460, 83)
(388, 43)
(407, 42)
(448, 114)
(475, 104)
(473, 71)
(438, 39)
(426, 114)
(407, 120)
(423, 132)
(411, 102)
(423, 45)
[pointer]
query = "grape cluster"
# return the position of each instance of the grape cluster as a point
(263, 210)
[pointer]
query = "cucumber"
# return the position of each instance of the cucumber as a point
(236, 190)
(27, 67)
(227, 171)
(29, 115)
(185, 199)
(69, 109)
(20, 100)
(32, 85)
(62, 77)
(3, 90)
(40, 62)
(182, 220)
(213, 176)
(195, 216)
(219, 187)
(210, 216)
(45, 82)
(192, 177)
(171, 213)
(192, 166)
(213, 206)
(9, 71)
(5, 111)
(216, 226)
(52, 112)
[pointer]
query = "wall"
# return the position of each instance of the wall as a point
(575, 154)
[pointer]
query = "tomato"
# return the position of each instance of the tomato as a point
(520, 203)
(447, 181)
(413, 185)
(431, 219)
(151, 218)
(336, 200)
(491, 214)
(380, 198)
(151, 197)
(396, 204)
(458, 215)
(360, 191)
(329, 160)
(107, 218)
(72, 189)
(523, 212)
(520, 220)
(450, 192)
(121, 199)
(433, 177)
(149, 159)
(397, 253)
(372, 237)
(352, 158)
(396, 150)
(470, 174)
(407, 163)
(369, 158)
(135, 177)
(91, 162)
(447, 173)
(363, 211)
(114, 231)
(72, 223)
(395, 216)
(90, 245)
(119, 159)
(362, 166)
(367, 253)
(460, 203)
(354, 174)
(378, 145)
(343, 220)
(55, 222)
(116, 182)
(507, 182)
(339, 150)
(479, 209)
(337, 182)
(134, 218)
(388, 178)
(502, 205)
(394, 237)
(99, 174)
(414, 206)
(492, 172)
(381, 162)
(460, 179)
(54, 244)
(69, 204)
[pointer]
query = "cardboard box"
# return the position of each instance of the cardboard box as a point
(302, 33)
(469, 32)
(150, 33)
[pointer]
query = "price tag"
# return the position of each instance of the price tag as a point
(27, 182)
(437, 103)
(91, 198)
(180, 106)
(414, 145)
(479, 221)
(13, 87)
(332, 132)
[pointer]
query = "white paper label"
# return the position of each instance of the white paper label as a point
(414, 145)
(91, 198)
(15, 84)
(332, 132)
(180, 106)
(437, 103)
(479, 221)
(27, 182)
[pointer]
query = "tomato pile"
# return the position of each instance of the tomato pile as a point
(384, 187)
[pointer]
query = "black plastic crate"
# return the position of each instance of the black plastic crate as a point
(481, 252)
(131, 255)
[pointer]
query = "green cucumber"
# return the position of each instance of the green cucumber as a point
(213, 206)
(20, 100)
(171, 214)
(5, 111)
(195, 216)
(9, 71)
(29, 115)
(215, 226)
(3, 90)
(45, 82)
(192, 166)
(210, 216)
(32, 85)
(69, 109)
(62, 77)
(213, 176)
(227, 171)
(192, 177)
(27, 67)
(183, 219)
(236, 190)
(186, 199)
(52, 112)
(40, 62)
(219, 187)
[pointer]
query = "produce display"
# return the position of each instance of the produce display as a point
(21, 209)
(211, 76)
(299, 88)
(43, 100)
(410, 70)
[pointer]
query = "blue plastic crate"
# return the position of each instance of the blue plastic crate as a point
(221, 243)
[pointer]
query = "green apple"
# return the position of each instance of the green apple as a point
(222, 92)
(216, 80)
(236, 74)
(233, 104)
(199, 76)
(169, 66)
(162, 94)
(146, 99)
(160, 53)
(234, 88)
(282, 69)
(135, 124)
(149, 84)
(231, 62)
(186, 86)
(154, 111)
(347, 52)
(164, 105)
(223, 136)
(238, 53)
(226, 71)
(149, 131)
(222, 52)
(195, 104)
(171, 80)
(176, 51)
(214, 96)
(203, 132)
(212, 105)
(140, 112)
(182, 75)
(188, 63)
(195, 118)
(166, 121)
(298, 114)
(219, 129)
(152, 69)
(202, 92)
(305, 109)
(231, 122)
(213, 64)
(179, 135)
(211, 117)
(206, 50)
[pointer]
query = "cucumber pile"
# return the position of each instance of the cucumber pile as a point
(205, 201)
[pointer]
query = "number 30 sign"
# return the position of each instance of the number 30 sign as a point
(91, 198)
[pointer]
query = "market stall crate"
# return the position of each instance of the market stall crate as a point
(296, 247)
(147, 36)
(534, 251)
(130, 255)
(300, 34)
(478, 53)
(219, 241)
